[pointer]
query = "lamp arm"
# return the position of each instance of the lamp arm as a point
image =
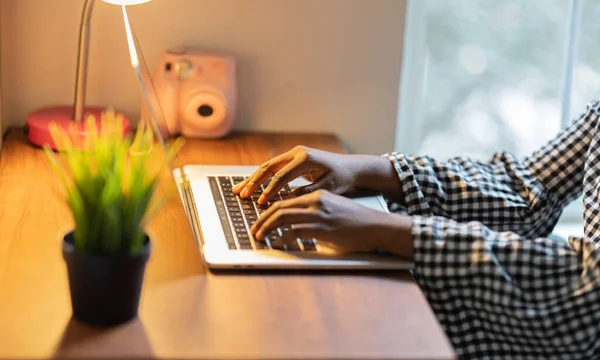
(82, 60)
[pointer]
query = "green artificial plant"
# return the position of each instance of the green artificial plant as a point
(109, 188)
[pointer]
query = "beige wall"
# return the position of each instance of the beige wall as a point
(1, 122)
(304, 65)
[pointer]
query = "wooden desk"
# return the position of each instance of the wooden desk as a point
(186, 311)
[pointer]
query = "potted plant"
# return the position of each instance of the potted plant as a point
(110, 195)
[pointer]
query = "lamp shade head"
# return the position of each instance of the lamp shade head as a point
(126, 2)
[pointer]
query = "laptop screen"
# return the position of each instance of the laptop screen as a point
(151, 111)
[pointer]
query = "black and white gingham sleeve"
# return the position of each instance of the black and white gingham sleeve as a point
(502, 296)
(499, 287)
(525, 196)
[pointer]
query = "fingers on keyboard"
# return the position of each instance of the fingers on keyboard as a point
(239, 214)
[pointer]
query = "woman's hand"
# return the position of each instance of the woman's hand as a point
(339, 222)
(336, 173)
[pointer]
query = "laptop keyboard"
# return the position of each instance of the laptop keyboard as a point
(237, 215)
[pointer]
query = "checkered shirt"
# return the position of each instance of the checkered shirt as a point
(500, 287)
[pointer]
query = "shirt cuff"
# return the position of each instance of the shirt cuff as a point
(443, 247)
(412, 199)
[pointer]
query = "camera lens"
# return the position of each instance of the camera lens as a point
(205, 110)
(168, 66)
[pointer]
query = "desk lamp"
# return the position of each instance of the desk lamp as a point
(71, 118)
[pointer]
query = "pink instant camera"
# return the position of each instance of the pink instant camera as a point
(197, 93)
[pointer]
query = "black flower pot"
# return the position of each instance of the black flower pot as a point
(105, 288)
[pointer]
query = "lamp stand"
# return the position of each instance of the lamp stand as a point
(70, 118)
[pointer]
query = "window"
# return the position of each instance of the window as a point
(486, 76)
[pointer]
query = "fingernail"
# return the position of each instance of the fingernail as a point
(262, 200)
(252, 229)
(244, 193)
(259, 236)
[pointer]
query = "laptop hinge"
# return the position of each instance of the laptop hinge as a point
(189, 206)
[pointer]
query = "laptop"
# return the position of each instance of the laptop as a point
(220, 220)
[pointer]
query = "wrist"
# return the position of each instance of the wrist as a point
(396, 235)
(375, 173)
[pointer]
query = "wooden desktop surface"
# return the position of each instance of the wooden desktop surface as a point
(186, 311)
